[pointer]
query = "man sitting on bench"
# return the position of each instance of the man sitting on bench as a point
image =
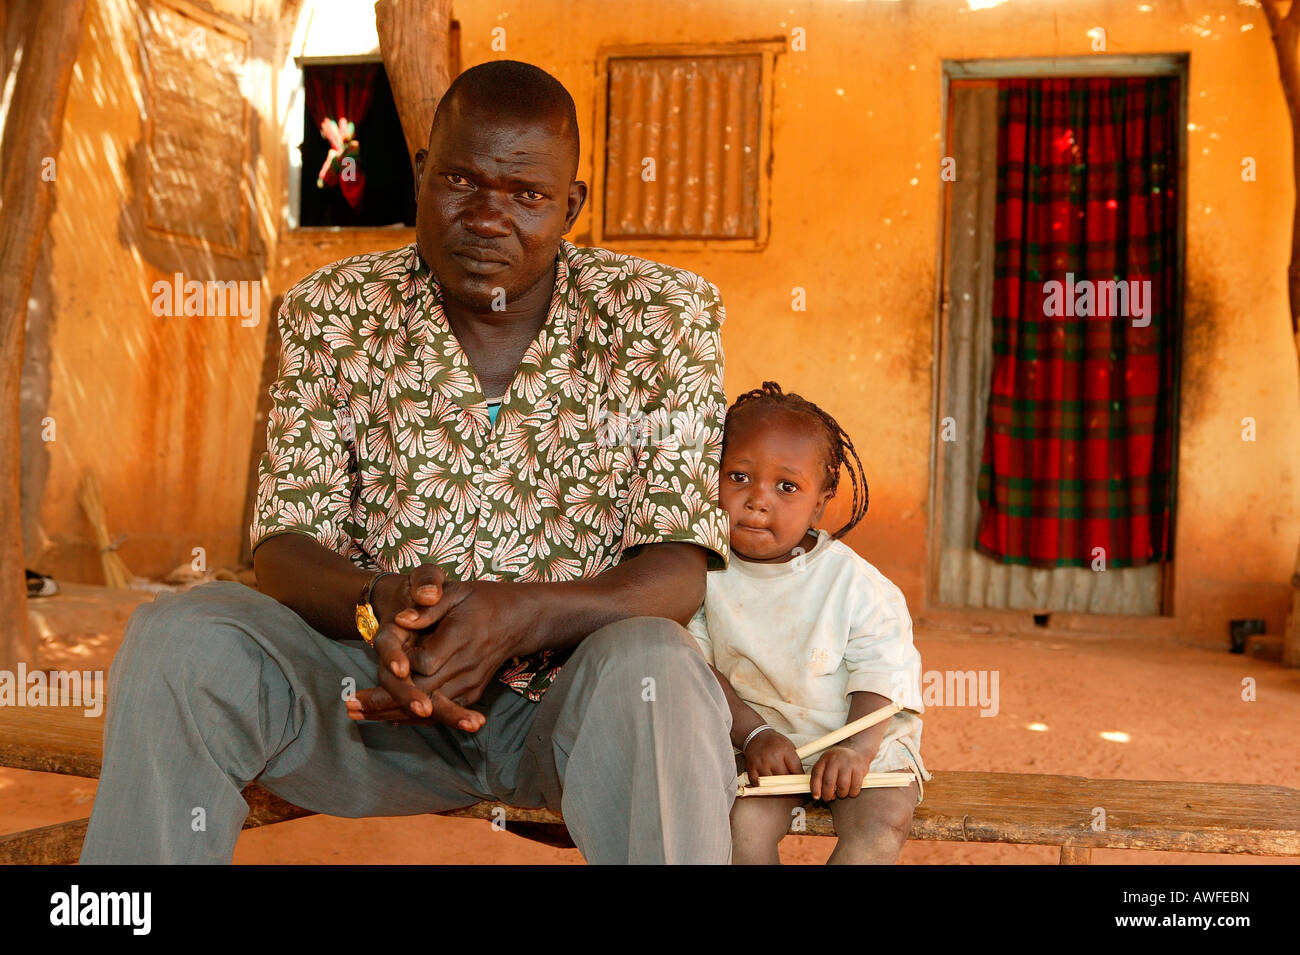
(504, 448)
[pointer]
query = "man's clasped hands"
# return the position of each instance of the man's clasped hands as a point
(439, 642)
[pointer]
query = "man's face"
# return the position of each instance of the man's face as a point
(494, 197)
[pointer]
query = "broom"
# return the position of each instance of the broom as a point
(92, 502)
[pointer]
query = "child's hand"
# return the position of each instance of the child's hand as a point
(839, 773)
(770, 754)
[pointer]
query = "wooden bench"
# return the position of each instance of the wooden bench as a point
(1024, 808)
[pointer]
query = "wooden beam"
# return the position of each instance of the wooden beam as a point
(414, 38)
(59, 844)
(1028, 809)
(32, 134)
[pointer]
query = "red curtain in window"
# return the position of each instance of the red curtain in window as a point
(1078, 449)
(338, 98)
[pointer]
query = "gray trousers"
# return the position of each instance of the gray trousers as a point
(220, 686)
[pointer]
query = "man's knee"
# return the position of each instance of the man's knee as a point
(639, 662)
(183, 633)
(649, 646)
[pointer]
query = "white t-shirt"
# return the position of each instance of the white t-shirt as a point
(795, 639)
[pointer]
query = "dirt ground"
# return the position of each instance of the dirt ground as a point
(1168, 711)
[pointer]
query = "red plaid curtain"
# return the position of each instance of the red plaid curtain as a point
(1078, 448)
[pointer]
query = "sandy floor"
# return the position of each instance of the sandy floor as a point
(1179, 710)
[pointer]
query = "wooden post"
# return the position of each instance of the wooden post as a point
(1285, 32)
(33, 131)
(413, 40)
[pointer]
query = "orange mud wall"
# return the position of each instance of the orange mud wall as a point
(855, 220)
(161, 407)
(165, 407)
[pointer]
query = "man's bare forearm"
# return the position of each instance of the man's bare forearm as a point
(316, 583)
(663, 580)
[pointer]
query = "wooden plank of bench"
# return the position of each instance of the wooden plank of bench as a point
(51, 739)
(60, 844)
(1140, 814)
(959, 806)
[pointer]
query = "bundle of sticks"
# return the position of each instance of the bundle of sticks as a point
(116, 573)
(802, 782)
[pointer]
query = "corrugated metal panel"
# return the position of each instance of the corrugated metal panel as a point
(697, 118)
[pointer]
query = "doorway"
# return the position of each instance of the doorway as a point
(1045, 497)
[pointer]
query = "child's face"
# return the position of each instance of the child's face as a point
(773, 482)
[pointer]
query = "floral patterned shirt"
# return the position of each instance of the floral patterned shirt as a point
(380, 447)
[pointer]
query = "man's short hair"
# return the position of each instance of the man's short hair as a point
(511, 89)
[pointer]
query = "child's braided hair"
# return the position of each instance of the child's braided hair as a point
(839, 446)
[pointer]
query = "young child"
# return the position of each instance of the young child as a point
(805, 636)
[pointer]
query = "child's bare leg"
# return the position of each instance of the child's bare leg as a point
(757, 825)
(872, 826)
